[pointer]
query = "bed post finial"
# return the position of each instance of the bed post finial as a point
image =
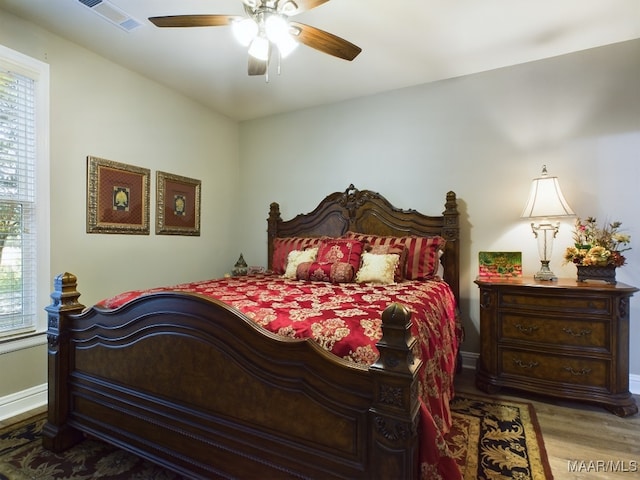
(395, 345)
(396, 405)
(56, 434)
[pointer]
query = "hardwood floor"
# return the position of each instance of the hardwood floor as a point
(582, 441)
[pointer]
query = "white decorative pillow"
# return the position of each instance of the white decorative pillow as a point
(377, 268)
(296, 257)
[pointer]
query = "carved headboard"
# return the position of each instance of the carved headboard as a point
(368, 212)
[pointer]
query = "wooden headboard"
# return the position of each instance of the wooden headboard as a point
(368, 212)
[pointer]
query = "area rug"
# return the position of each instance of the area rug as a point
(491, 439)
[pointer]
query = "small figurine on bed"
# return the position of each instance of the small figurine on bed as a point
(240, 268)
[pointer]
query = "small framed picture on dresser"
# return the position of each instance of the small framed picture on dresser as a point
(499, 265)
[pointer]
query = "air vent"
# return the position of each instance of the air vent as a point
(90, 3)
(112, 14)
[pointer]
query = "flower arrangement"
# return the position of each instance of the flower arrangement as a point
(597, 246)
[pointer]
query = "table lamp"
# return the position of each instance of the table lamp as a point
(545, 202)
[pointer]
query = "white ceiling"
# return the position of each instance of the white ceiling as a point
(404, 43)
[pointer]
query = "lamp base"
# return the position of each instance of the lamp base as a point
(545, 272)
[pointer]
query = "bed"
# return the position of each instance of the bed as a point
(193, 384)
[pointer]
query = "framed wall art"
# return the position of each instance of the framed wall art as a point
(177, 205)
(117, 197)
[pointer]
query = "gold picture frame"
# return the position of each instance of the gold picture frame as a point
(117, 197)
(177, 205)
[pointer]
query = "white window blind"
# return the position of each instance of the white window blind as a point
(18, 241)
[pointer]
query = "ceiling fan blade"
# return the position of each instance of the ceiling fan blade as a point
(324, 41)
(294, 7)
(257, 67)
(193, 20)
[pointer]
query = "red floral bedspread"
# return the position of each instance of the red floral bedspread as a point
(346, 320)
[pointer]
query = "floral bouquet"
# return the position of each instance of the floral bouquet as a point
(597, 246)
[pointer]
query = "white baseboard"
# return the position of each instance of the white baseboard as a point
(469, 361)
(24, 401)
(634, 384)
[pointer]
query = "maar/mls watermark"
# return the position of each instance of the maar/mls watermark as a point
(603, 466)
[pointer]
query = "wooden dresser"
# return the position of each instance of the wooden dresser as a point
(560, 338)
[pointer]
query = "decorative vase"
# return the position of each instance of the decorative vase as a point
(595, 272)
(240, 268)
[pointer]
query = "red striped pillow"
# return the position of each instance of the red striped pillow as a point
(422, 252)
(283, 245)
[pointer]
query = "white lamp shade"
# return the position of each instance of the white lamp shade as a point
(546, 199)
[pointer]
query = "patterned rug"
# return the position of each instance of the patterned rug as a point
(491, 440)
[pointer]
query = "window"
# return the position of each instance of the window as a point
(24, 193)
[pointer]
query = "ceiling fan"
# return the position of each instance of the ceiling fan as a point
(267, 30)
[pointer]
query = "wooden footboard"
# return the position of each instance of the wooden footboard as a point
(192, 384)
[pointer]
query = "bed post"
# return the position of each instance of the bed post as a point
(451, 233)
(272, 231)
(396, 406)
(57, 435)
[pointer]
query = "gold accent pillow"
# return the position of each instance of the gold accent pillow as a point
(377, 268)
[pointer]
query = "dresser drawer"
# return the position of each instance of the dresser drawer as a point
(564, 338)
(555, 331)
(592, 305)
(555, 368)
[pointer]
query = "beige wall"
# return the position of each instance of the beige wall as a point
(103, 110)
(23, 376)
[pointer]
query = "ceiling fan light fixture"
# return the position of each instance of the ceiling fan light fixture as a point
(286, 45)
(266, 31)
(245, 30)
(259, 48)
(277, 29)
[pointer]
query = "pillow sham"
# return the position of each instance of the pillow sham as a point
(344, 250)
(378, 268)
(422, 252)
(296, 257)
(283, 245)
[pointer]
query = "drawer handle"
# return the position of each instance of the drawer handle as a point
(582, 333)
(578, 373)
(526, 330)
(521, 364)
(485, 301)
